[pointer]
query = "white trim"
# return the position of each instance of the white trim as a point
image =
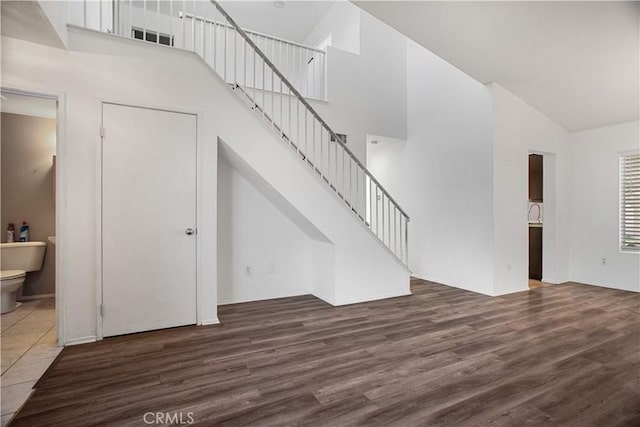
(608, 286)
(206, 322)
(13, 91)
(550, 224)
(35, 297)
(510, 291)
(81, 340)
(61, 215)
(199, 214)
(368, 299)
(199, 217)
(98, 224)
(437, 281)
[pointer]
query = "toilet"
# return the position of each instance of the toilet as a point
(16, 260)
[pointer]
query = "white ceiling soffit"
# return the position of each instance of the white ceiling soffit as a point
(25, 20)
(576, 62)
(292, 20)
(25, 105)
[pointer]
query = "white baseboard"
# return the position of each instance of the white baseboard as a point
(329, 301)
(510, 291)
(214, 321)
(370, 299)
(81, 340)
(33, 297)
(481, 291)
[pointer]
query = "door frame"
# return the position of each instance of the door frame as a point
(550, 216)
(61, 196)
(199, 212)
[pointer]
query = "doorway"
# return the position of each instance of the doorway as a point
(536, 200)
(542, 219)
(28, 258)
(149, 235)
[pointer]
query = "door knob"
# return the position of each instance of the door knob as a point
(189, 231)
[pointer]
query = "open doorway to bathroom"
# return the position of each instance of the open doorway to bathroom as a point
(28, 218)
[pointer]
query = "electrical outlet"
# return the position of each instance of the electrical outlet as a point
(248, 271)
(603, 261)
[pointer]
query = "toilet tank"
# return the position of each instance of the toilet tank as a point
(27, 256)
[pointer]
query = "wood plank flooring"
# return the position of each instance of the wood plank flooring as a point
(559, 355)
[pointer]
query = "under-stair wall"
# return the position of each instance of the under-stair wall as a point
(262, 254)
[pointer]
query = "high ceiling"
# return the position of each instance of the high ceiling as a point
(576, 62)
(293, 21)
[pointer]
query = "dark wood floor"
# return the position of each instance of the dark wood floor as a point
(560, 355)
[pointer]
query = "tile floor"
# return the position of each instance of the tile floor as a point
(28, 347)
(533, 284)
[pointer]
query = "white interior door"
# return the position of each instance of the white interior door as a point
(148, 206)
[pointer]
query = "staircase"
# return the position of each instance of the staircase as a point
(269, 74)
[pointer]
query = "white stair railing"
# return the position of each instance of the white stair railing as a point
(190, 25)
(303, 66)
(236, 56)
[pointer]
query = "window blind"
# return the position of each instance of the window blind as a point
(630, 202)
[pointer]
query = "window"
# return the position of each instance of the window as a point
(630, 202)
(152, 36)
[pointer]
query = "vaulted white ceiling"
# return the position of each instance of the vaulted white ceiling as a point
(576, 62)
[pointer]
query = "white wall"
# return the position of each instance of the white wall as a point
(323, 270)
(449, 153)
(382, 154)
(442, 174)
(383, 157)
(366, 66)
(518, 130)
(100, 67)
(342, 21)
(594, 198)
(363, 269)
(366, 89)
(109, 71)
(253, 232)
(57, 13)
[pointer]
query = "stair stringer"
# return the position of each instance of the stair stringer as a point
(363, 268)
